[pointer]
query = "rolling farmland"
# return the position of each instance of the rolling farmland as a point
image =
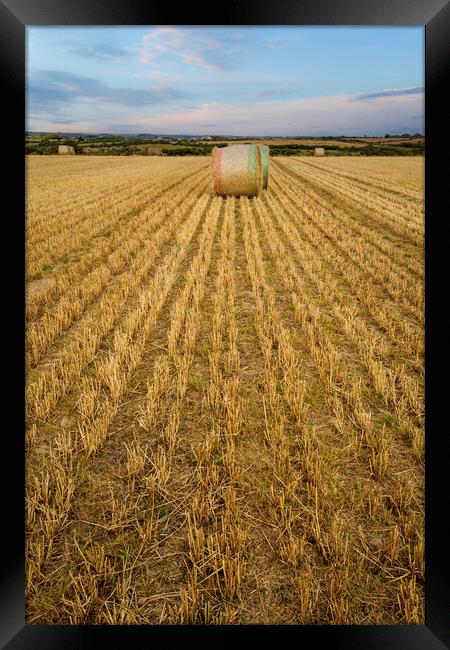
(224, 396)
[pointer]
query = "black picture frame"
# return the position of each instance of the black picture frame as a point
(15, 16)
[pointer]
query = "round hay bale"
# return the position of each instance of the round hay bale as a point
(66, 149)
(237, 170)
(264, 151)
(319, 151)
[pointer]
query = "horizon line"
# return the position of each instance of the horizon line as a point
(221, 135)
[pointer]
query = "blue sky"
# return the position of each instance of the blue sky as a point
(226, 80)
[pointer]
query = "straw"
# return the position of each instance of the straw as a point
(264, 151)
(66, 149)
(237, 170)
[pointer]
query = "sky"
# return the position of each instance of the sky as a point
(273, 81)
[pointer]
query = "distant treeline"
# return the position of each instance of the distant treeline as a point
(192, 150)
(121, 146)
(403, 149)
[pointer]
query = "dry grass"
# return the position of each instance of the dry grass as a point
(224, 395)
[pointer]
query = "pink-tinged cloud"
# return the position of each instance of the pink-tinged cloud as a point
(190, 45)
(340, 113)
(200, 60)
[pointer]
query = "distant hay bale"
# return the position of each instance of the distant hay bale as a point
(319, 151)
(264, 151)
(237, 170)
(66, 149)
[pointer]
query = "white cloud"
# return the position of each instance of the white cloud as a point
(48, 124)
(192, 46)
(200, 60)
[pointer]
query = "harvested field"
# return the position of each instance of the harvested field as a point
(224, 396)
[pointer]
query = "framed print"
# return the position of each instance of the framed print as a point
(226, 231)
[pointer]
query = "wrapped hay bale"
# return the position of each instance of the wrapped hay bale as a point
(237, 170)
(66, 149)
(264, 151)
(319, 151)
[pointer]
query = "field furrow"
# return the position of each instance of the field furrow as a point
(59, 242)
(366, 442)
(56, 319)
(405, 176)
(406, 259)
(309, 297)
(115, 368)
(224, 395)
(356, 269)
(385, 190)
(406, 224)
(391, 207)
(62, 279)
(52, 382)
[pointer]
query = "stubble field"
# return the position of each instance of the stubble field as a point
(224, 397)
